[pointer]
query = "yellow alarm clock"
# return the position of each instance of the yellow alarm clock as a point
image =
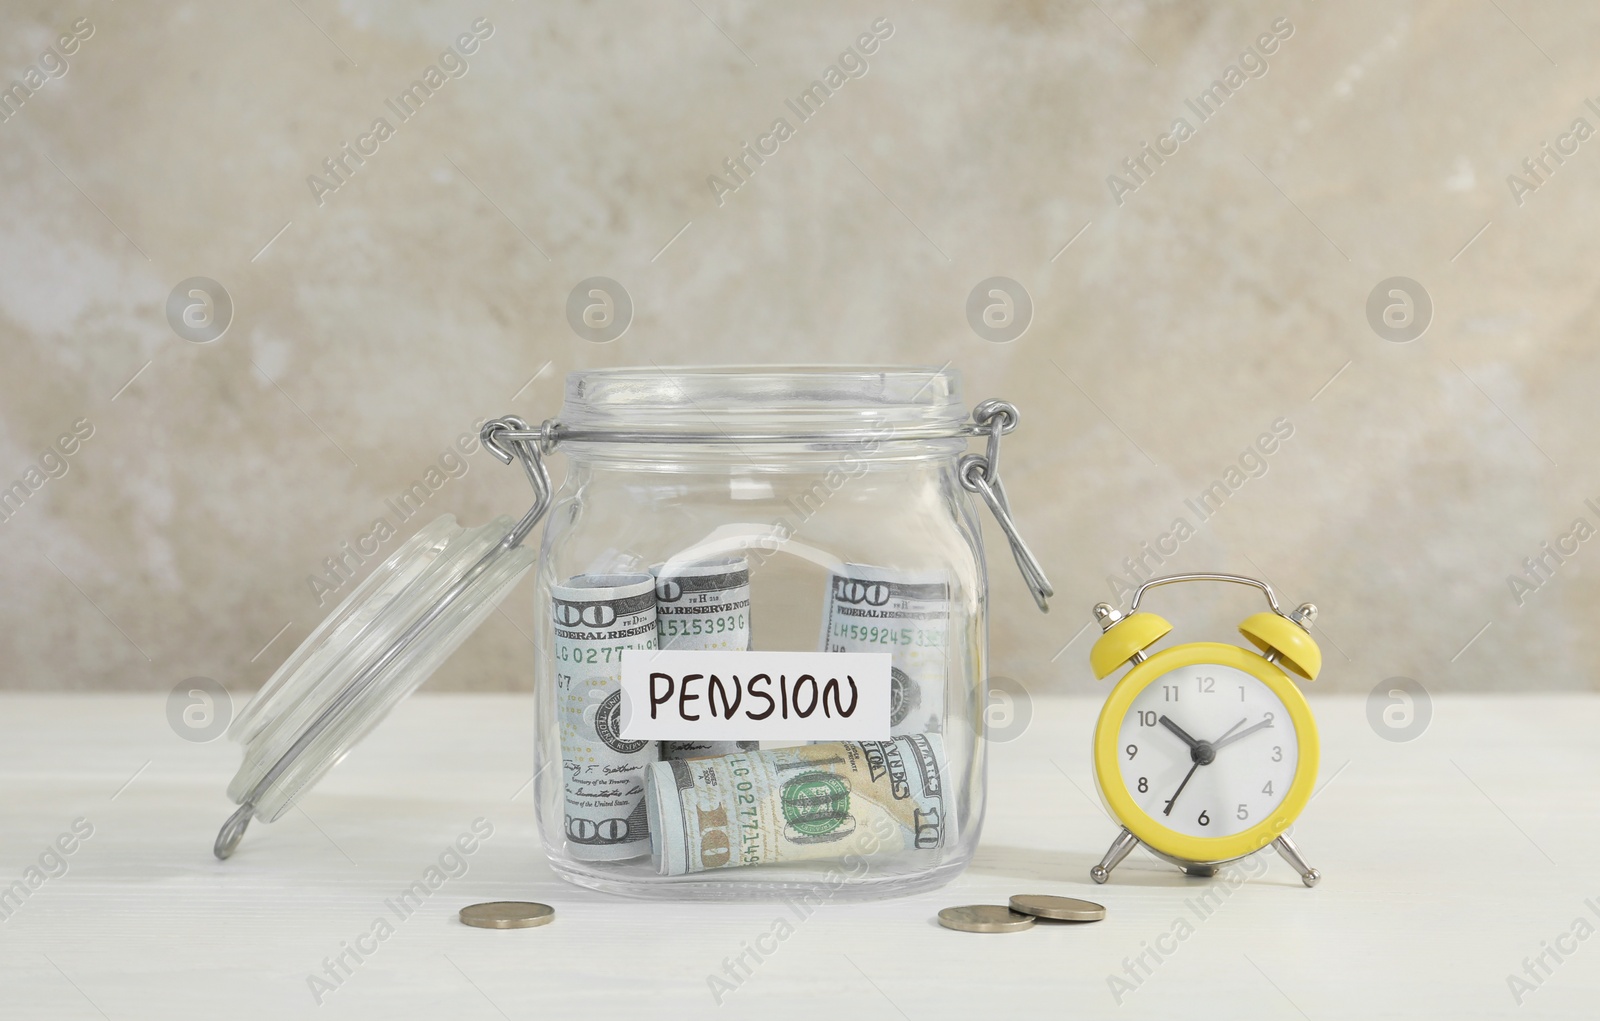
(1206, 752)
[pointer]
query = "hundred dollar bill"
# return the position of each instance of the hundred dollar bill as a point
(819, 801)
(903, 613)
(703, 605)
(596, 617)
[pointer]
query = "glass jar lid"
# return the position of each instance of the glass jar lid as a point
(378, 646)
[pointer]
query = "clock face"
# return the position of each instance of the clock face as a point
(1207, 750)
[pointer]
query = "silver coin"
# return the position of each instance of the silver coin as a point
(984, 918)
(1060, 909)
(507, 914)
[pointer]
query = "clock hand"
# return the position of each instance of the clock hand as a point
(1182, 735)
(1202, 753)
(1224, 737)
(1226, 740)
(1173, 800)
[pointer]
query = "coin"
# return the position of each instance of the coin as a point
(507, 914)
(1060, 909)
(984, 918)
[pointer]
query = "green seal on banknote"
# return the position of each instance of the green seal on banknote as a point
(816, 804)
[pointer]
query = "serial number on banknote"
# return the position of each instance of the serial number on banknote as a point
(749, 818)
(677, 627)
(590, 654)
(926, 638)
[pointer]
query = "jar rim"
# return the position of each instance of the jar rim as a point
(763, 398)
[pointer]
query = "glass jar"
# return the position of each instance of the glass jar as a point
(800, 539)
(826, 508)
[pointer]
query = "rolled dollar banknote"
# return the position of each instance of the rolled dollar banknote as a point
(703, 605)
(811, 802)
(596, 617)
(903, 613)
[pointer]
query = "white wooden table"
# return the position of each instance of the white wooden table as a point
(1447, 861)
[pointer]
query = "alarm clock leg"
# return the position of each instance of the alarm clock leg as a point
(1120, 847)
(1291, 854)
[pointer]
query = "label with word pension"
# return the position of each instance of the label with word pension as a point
(740, 695)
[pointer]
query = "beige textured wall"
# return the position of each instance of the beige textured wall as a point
(1228, 291)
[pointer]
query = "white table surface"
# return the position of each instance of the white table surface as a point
(1446, 861)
